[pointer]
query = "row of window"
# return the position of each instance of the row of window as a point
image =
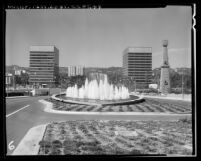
(139, 60)
(139, 71)
(43, 54)
(45, 75)
(32, 58)
(145, 79)
(41, 72)
(40, 65)
(41, 61)
(40, 79)
(139, 54)
(148, 67)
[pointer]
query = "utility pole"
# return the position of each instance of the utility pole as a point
(14, 81)
(60, 86)
(135, 85)
(182, 84)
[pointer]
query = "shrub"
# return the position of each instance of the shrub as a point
(55, 151)
(56, 144)
(135, 152)
(45, 144)
(68, 143)
(185, 120)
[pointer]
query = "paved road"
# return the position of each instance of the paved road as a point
(19, 120)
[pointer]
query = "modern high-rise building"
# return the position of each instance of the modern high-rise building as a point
(75, 70)
(137, 63)
(44, 65)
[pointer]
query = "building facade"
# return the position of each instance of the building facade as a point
(137, 63)
(79, 70)
(75, 70)
(8, 79)
(71, 71)
(44, 66)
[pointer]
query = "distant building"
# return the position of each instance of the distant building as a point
(79, 70)
(44, 65)
(17, 72)
(183, 70)
(137, 63)
(8, 78)
(71, 71)
(75, 70)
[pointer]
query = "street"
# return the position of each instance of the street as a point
(24, 113)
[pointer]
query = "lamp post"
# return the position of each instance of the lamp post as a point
(182, 84)
(60, 86)
(135, 85)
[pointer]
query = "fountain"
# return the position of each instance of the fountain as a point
(94, 90)
(98, 91)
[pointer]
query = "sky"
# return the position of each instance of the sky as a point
(97, 37)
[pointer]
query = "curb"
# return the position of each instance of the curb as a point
(29, 144)
(49, 106)
(17, 97)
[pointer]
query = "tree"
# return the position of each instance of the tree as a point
(24, 79)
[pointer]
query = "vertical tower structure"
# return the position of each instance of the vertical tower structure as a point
(165, 75)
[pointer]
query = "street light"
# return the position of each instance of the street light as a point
(60, 87)
(182, 84)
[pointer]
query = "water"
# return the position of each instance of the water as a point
(101, 90)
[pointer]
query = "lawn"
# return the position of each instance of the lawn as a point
(97, 137)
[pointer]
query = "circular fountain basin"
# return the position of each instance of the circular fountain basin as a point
(62, 97)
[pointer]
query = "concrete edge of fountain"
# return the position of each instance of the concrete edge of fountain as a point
(132, 101)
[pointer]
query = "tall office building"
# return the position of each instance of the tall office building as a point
(137, 63)
(44, 65)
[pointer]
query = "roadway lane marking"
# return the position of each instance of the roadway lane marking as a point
(17, 110)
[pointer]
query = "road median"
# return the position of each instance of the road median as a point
(29, 144)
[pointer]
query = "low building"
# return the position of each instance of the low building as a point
(75, 70)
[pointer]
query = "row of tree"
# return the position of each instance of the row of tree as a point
(22, 79)
(176, 79)
(116, 78)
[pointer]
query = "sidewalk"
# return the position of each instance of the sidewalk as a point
(170, 97)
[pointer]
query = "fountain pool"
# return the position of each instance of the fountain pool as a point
(98, 92)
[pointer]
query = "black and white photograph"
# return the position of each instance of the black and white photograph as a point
(100, 81)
